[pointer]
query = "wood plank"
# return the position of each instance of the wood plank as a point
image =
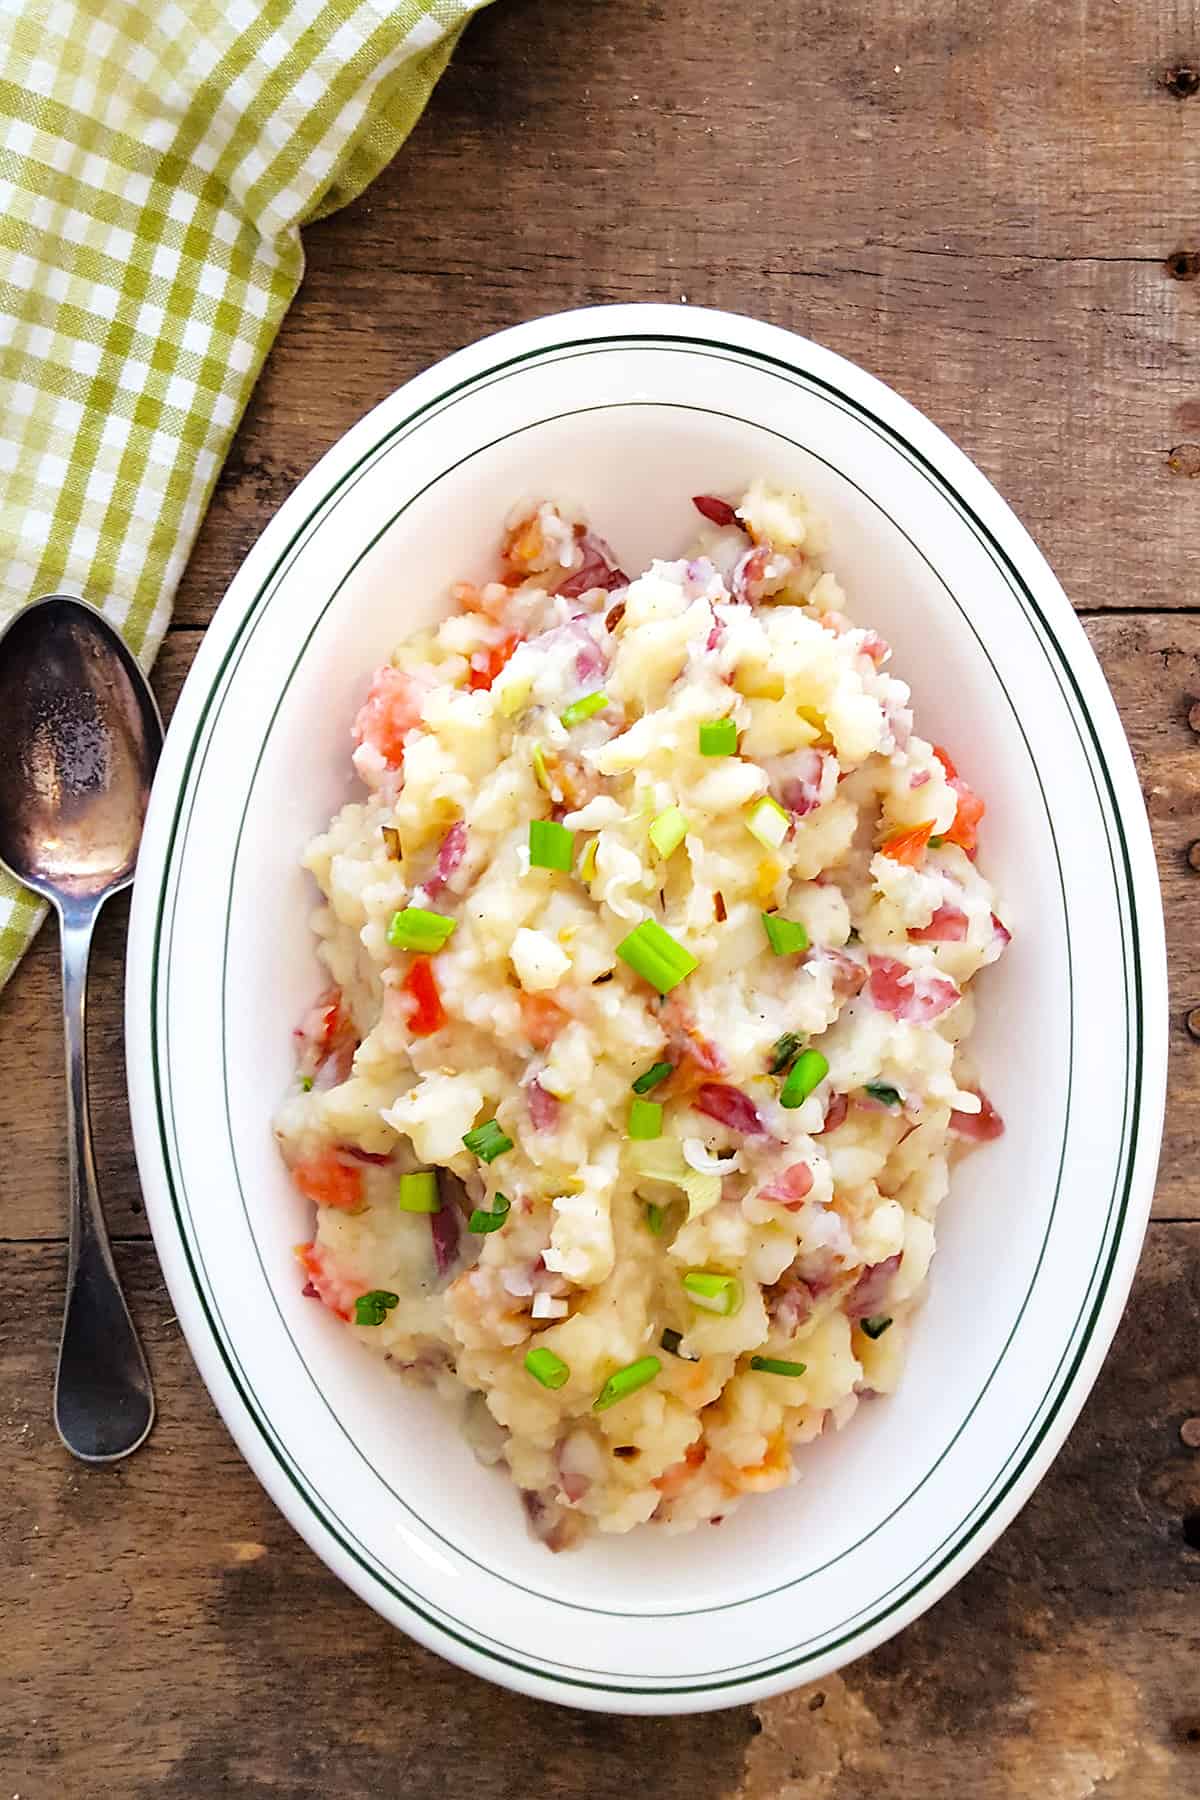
(167, 1634)
(1152, 662)
(998, 249)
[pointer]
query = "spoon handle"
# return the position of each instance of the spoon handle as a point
(103, 1400)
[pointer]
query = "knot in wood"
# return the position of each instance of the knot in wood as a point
(1184, 460)
(1181, 80)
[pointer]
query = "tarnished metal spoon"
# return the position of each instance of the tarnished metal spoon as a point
(80, 737)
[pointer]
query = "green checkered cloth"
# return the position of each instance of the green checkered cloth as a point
(157, 160)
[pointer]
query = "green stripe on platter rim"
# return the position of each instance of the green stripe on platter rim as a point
(1029, 605)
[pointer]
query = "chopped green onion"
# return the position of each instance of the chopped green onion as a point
(419, 1192)
(645, 1119)
(656, 1218)
(547, 1368)
(717, 737)
(773, 1365)
(391, 840)
(626, 1381)
(481, 1222)
(668, 831)
(784, 1051)
(579, 710)
(651, 1077)
(807, 1072)
(487, 1141)
(551, 845)
(767, 821)
(935, 843)
(876, 1326)
(373, 1308)
(886, 1096)
(306, 1082)
(541, 773)
(785, 936)
(715, 1293)
(655, 955)
(416, 929)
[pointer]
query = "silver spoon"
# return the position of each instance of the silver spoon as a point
(81, 736)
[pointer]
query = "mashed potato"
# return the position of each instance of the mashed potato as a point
(630, 1107)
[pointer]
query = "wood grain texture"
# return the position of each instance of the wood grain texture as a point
(217, 1656)
(1153, 664)
(994, 207)
(977, 201)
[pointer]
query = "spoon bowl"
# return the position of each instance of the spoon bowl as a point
(82, 738)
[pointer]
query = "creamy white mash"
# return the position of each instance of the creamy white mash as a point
(630, 1107)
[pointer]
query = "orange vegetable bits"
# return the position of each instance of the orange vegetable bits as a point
(909, 846)
(672, 1481)
(329, 1181)
(391, 709)
(524, 545)
(964, 831)
(541, 1018)
(427, 1013)
(487, 664)
(773, 1471)
(324, 1282)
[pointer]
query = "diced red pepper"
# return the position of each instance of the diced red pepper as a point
(325, 1283)
(391, 710)
(908, 847)
(487, 664)
(420, 984)
(971, 808)
(964, 831)
(329, 1181)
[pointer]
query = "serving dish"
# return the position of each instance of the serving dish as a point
(631, 410)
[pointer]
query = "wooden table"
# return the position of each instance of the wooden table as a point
(992, 204)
